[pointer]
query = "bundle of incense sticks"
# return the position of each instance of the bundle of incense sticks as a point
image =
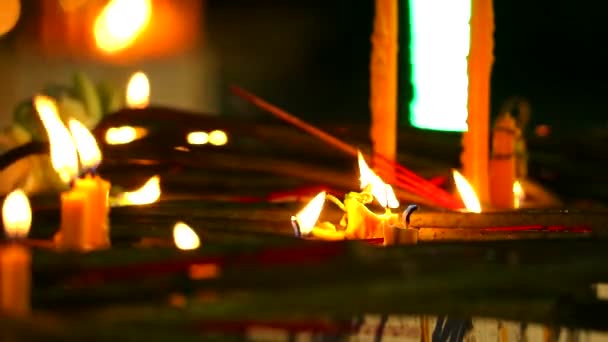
(406, 179)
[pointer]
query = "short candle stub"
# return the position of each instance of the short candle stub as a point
(296, 227)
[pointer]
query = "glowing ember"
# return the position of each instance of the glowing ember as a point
(468, 195)
(120, 23)
(218, 138)
(197, 138)
(382, 192)
(148, 193)
(138, 91)
(88, 151)
(184, 237)
(309, 215)
(64, 157)
(124, 134)
(16, 214)
(518, 194)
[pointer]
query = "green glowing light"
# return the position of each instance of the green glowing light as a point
(439, 46)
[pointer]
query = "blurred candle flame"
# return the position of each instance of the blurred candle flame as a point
(185, 238)
(138, 91)
(197, 138)
(148, 193)
(124, 134)
(64, 157)
(88, 151)
(16, 214)
(467, 193)
(309, 215)
(218, 138)
(383, 193)
(120, 23)
(518, 194)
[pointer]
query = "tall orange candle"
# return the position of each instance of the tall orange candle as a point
(476, 140)
(84, 208)
(383, 79)
(15, 258)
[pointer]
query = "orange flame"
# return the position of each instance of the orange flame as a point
(88, 151)
(16, 214)
(467, 193)
(185, 238)
(383, 192)
(518, 194)
(138, 91)
(124, 134)
(120, 23)
(309, 215)
(64, 157)
(148, 193)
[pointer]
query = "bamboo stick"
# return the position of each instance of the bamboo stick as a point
(576, 220)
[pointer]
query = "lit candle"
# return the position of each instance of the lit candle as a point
(305, 222)
(84, 208)
(15, 258)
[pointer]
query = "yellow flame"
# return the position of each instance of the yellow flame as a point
(308, 216)
(120, 23)
(518, 194)
(185, 238)
(467, 193)
(382, 192)
(218, 138)
(16, 214)
(124, 134)
(138, 91)
(148, 193)
(88, 151)
(64, 157)
(197, 138)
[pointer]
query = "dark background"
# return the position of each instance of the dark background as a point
(312, 56)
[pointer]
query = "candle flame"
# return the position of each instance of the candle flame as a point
(120, 23)
(518, 194)
(138, 91)
(467, 193)
(124, 134)
(88, 151)
(16, 214)
(308, 216)
(197, 138)
(218, 138)
(148, 193)
(383, 193)
(185, 238)
(64, 157)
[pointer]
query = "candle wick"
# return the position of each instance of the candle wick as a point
(296, 227)
(407, 213)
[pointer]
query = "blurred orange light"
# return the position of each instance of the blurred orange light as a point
(10, 10)
(120, 23)
(138, 91)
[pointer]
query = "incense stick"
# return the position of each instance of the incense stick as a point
(418, 184)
